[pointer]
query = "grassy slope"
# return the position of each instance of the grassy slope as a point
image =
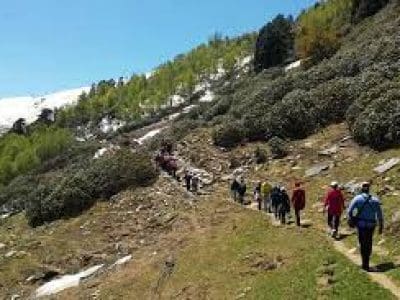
(217, 260)
(215, 244)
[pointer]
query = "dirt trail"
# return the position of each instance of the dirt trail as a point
(339, 246)
(379, 278)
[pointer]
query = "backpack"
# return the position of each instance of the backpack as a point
(353, 220)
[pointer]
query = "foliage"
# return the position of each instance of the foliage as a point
(275, 43)
(320, 29)
(143, 95)
(365, 8)
(260, 155)
(379, 124)
(75, 192)
(229, 135)
(18, 192)
(20, 154)
(278, 147)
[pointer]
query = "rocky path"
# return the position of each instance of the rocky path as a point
(379, 278)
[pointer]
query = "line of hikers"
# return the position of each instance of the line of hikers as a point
(274, 199)
(364, 211)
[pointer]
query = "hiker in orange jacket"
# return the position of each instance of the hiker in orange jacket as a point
(334, 205)
(298, 201)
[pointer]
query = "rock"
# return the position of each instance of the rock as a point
(2, 246)
(385, 166)
(353, 250)
(352, 187)
(317, 169)
(330, 151)
(15, 297)
(10, 253)
(381, 242)
(396, 217)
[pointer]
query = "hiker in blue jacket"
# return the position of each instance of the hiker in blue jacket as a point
(364, 213)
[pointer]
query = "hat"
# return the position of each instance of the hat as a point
(334, 184)
(366, 184)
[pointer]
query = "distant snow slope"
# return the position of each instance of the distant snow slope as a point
(29, 108)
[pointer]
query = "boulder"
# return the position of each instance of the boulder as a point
(330, 151)
(385, 166)
(317, 169)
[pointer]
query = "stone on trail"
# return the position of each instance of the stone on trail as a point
(317, 169)
(2, 246)
(330, 151)
(385, 166)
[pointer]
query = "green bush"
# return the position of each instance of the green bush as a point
(18, 192)
(78, 190)
(320, 29)
(275, 43)
(379, 124)
(260, 155)
(229, 135)
(278, 147)
(365, 8)
(20, 154)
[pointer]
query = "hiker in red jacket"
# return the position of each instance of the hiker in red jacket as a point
(334, 204)
(298, 201)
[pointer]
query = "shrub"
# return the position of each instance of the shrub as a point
(294, 117)
(260, 155)
(20, 154)
(18, 192)
(77, 191)
(366, 8)
(229, 135)
(379, 124)
(320, 29)
(274, 43)
(278, 147)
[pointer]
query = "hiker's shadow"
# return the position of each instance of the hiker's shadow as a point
(343, 236)
(385, 267)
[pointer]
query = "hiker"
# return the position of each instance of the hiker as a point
(275, 200)
(234, 189)
(364, 213)
(334, 205)
(241, 191)
(284, 206)
(266, 195)
(257, 195)
(195, 183)
(298, 201)
(188, 179)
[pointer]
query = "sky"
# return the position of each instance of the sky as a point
(52, 45)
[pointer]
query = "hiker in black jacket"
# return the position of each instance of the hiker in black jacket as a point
(242, 191)
(284, 206)
(234, 189)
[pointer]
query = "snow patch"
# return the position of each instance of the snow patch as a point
(11, 109)
(149, 135)
(103, 151)
(293, 65)
(123, 260)
(244, 62)
(176, 100)
(65, 282)
(207, 97)
(189, 108)
(108, 125)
